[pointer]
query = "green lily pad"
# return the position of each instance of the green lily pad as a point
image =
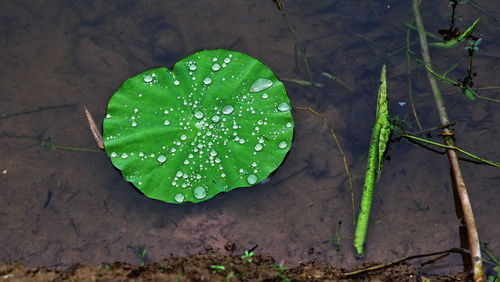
(218, 121)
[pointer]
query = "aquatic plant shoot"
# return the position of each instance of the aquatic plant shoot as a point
(378, 145)
(218, 120)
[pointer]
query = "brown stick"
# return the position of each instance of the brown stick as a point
(95, 130)
(475, 250)
(380, 266)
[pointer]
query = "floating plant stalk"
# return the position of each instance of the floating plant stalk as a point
(475, 250)
(378, 143)
(410, 91)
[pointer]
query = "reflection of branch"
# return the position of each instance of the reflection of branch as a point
(37, 109)
(301, 82)
(325, 120)
(458, 180)
(410, 90)
(338, 80)
(297, 42)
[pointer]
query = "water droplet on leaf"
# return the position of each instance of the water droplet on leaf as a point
(283, 107)
(282, 145)
(260, 84)
(252, 179)
(216, 67)
(162, 158)
(199, 192)
(179, 198)
(228, 109)
(198, 115)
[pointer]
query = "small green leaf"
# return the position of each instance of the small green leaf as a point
(469, 92)
(382, 120)
(454, 42)
(218, 121)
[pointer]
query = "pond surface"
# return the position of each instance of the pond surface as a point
(60, 207)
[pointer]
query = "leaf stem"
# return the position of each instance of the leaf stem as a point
(450, 147)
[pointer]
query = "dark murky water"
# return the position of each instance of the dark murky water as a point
(61, 207)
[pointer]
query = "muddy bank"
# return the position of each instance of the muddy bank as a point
(214, 266)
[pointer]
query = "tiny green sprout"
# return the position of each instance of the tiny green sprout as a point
(337, 240)
(143, 257)
(493, 276)
(397, 125)
(248, 256)
(48, 143)
(455, 2)
(473, 45)
(280, 268)
(229, 276)
(107, 267)
(217, 268)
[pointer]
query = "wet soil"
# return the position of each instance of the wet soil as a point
(201, 267)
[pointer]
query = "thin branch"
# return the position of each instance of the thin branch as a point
(380, 266)
(452, 155)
